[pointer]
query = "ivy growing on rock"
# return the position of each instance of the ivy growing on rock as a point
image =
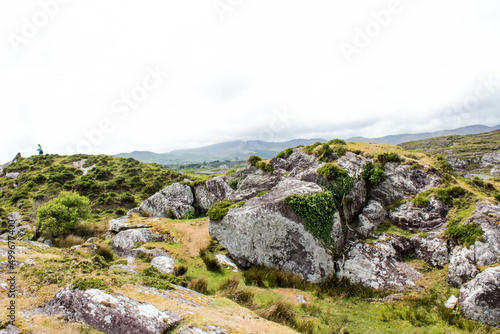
(316, 210)
(372, 174)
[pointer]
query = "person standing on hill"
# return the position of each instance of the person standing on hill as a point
(40, 150)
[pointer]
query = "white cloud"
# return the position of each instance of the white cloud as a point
(227, 76)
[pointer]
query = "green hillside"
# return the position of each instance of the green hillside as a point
(468, 146)
(113, 186)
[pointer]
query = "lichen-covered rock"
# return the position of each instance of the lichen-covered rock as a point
(114, 314)
(119, 224)
(12, 175)
(415, 219)
(126, 241)
(433, 251)
(266, 232)
(352, 163)
(377, 266)
(226, 261)
(354, 202)
(204, 197)
(480, 298)
(402, 181)
(208, 329)
(495, 171)
(373, 215)
(462, 268)
(164, 264)
(174, 201)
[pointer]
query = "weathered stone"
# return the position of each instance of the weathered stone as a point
(480, 298)
(373, 215)
(433, 251)
(208, 329)
(125, 242)
(415, 219)
(354, 202)
(122, 223)
(377, 266)
(225, 261)
(461, 268)
(12, 175)
(174, 201)
(114, 314)
(204, 198)
(338, 237)
(402, 181)
(266, 232)
(14, 216)
(353, 163)
(164, 264)
(123, 267)
(495, 171)
(491, 159)
(451, 302)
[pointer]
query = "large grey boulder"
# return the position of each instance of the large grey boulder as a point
(372, 216)
(378, 266)
(480, 298)
(114, 314)
(174, 201)
(125, 242)
(265, 232)
(432, 250)
(415, 219)
(462, 268)
(402, 181)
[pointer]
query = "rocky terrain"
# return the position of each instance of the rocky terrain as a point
(354, 224)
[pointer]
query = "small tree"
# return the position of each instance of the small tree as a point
(62, 213)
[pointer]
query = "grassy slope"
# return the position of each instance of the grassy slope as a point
(469, 146)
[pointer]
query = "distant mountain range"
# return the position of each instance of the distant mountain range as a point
(232, 150)
(406, 137)
(241, 150)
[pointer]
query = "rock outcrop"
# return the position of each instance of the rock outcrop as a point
(491, 159)
(125, 242)
(175, 201)
(120, 224)
(480, 298)
(379, 265)
(164, 264)
(372, 216)
(402, 181)
(114, 314)
(432, 250)
(265, 232)
(415, 219)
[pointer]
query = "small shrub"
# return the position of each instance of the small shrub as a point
(265, 167)
(209, 259)
(146, 257)
(497, 197)
(325, 153)
(465, 234)
(253, 159)
(285, 154)
(85, 283)
(62, 213)
(180, 270)
(386, 157)
(231, 290)
(199, 284)
(69, 241)
(339, 150)
(337, 142)
(332, 172)
(254, 276)
(373, 175)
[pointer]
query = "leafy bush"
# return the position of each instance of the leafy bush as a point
(325, 152)
(386, 157)
(464, 234)
(316, 210)
(220, 209)
(497, 197)
(253, 159)
(309, 149)
(265, 167)
(285, 154)
(372, 175)
(62, 213)
(340, 150)
(337, 142)
(332, 172)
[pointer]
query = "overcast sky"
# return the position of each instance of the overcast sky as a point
(94, 76)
